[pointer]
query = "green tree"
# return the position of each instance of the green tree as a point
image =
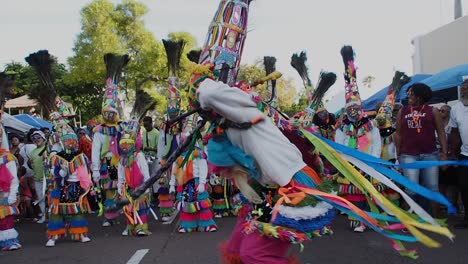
(285, 90)
(28, 83)
(117, 29)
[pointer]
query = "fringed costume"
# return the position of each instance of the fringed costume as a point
(9, 182)
(169, 134)
(385, 124)
(133, 171)
(68, 199)
(8, 199)
(104, 154)
(105, 158)
(301, 203)
(189, 180)
(71, 182)
(356, 131)
(220, 195)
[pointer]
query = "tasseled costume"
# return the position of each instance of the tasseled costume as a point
(192, 197)
(359, 136)
(219, 195)
(8, 206)
(133, 171)
(108, 168)
(167, 143)
(68, 198)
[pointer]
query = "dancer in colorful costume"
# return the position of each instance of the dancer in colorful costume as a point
(305, 119)
(71, 183)
(133, 168)
(189, 181)
(238, 149)
(356, 131)
(301, 203)
(169, 134)
(384, 118)
(105, 155)
(386, 126)
(8, 178)
(133, 171)
(8, 194)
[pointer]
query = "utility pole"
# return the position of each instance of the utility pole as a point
(458, 10)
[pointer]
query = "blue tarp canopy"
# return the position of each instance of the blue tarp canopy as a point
(370, 103)
(33, 121)
(444, 87)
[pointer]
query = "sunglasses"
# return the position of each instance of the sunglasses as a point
(36, 137)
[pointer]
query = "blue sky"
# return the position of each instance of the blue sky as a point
(380, 31)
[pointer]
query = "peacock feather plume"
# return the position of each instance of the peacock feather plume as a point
(42, 63)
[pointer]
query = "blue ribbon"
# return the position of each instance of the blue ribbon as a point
(396, 177)
(369, 158)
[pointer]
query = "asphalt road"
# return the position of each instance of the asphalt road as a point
(165, 245)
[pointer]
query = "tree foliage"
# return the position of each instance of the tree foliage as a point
(27, 81)
(286, 92)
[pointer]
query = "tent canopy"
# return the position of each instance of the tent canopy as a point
(21, 102)
(13, 125)
(33, 121)
(370, 103)
(444, 87)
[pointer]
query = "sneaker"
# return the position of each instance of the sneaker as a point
(218, 216)
(360, 229)
(125, 232)
(181, 230)
(171, 219)
(41, 221)
(50, 243)
(165, 218)
(211, 228)
(106, 224)
(15, 246)
(85, 239)
(141, 233)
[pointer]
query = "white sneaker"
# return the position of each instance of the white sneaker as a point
(13, 247)
(106, 224)
(360, 229)
(218, 216)
(41, 221)
(85, 239)
(125, 232)
(165, 218)
(50, 243)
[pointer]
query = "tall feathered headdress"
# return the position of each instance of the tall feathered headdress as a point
(351, 88)
(174, 52)
(42, 63)
(270, 66)
(114, 67)
(194, 55)
(225, 40)
(7, 82)
(385, 112)
(326, 80)
(298, 62)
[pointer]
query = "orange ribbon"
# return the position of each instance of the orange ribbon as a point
(289, 195)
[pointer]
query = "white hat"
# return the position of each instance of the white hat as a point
(38, 132)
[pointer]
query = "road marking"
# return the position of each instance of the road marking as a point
(138, 256)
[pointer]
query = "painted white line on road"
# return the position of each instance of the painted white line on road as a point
(138, 256)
